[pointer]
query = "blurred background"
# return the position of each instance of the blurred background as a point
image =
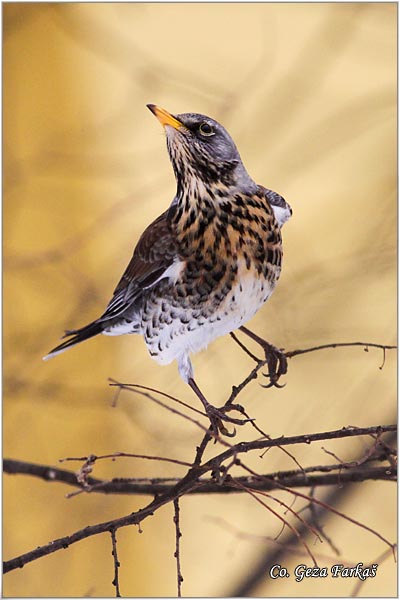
(308, 92)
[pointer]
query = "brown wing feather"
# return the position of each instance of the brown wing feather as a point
(154, 253)
(155, 250)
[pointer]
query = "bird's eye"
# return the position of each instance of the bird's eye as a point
(206, 129)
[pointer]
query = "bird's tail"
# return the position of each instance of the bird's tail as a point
(78, 335)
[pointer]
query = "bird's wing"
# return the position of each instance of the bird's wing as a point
(152, 259)
(282, 210)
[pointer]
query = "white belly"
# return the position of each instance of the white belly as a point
(178, 338)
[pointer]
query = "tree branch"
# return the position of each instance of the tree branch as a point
(117, 565)
(188, 484)
(217, 468)
(267, 482)
(177, 553)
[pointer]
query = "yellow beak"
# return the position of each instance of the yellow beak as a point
(165, 117)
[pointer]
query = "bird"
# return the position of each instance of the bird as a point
(206, 265)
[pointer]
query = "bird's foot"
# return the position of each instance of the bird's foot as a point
(277, 365)
(218, 416)
(276, 359)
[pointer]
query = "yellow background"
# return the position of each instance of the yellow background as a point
(308, 92)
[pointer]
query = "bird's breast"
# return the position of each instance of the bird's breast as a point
(231, 259)
(184, 318)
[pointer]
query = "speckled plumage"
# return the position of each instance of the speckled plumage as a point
(206, 265)
(228, 271)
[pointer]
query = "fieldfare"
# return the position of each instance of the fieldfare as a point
(207, 264)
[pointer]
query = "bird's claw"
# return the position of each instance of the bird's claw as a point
(277, 365)
(218, 415)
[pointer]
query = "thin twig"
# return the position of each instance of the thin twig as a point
(177, 555)
(265, 435)
(133, 388)
(164, 394)
(384, 359)
(244, 347)
(293, 353)
(292, 548)
(128, 455)
(291, 527)
(344, 516)
(329, 508)
(315, 521)
(115, 581)
(288, 508)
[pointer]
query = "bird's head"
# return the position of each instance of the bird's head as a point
(202, 150)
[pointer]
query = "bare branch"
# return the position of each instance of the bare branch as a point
(284, 521)
(159, 485)
(115, 455)
(177, 555)
(115, 581)
(366, 345)
(192, 481)
(165, 491)
(314, 520)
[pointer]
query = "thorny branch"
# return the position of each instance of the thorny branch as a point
(213, 475)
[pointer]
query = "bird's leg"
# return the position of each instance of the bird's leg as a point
(276, 359)
(216, 415)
